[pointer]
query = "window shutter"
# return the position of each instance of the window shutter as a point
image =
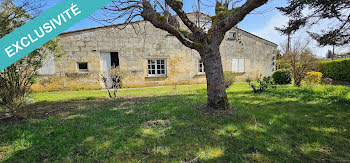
(241, 63)
(234, 65)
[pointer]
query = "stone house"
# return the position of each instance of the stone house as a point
(148, 56)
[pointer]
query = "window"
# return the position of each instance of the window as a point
(83, 66)
(201, 67)
(231, 35)
(238, 65)
(156, 67)
(114, 59)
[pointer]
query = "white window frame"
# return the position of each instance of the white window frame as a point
(239, 62)
(156, 67)
(199, 63)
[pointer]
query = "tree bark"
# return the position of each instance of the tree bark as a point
(216, 91)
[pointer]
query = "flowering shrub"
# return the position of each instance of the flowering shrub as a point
(313, 77)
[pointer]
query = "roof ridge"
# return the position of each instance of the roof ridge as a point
(118, 24)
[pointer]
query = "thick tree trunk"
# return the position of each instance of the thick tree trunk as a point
(217, 97)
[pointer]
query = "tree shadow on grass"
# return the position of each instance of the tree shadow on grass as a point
(277, 128)
(172, 128)
(325, 94)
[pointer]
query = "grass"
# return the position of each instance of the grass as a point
(287, 124)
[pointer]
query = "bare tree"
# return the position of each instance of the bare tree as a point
(161, 14)
(301, 60)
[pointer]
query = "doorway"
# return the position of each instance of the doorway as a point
(108, 60)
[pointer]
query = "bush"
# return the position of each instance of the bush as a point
(337, 69)
(282, 76)
(116, 76)
(229, 78)
(262, 84)
(313, 77)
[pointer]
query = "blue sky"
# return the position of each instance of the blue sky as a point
(261, 22)
(251, 23)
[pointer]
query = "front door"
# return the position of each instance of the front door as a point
(105, 69)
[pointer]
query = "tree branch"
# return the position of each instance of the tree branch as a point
(233, 19)
(177, 7)
(149, 14)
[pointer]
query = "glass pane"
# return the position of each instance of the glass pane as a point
(162, 61)
(149, 66)
(158, 61)
(162, 67)
(149, 72)
(83, 66)
(153, 66)
(149, 61)
(153, 71)
(163, 71)
(153, 61)
(158, 66)
(158, 71)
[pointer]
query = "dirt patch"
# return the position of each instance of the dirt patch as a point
(42, 110)
(157, 123)
(212, 111)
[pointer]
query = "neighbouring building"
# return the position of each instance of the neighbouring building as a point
(345, 55)
(148, 56)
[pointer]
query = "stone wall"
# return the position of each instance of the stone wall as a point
(137, 44)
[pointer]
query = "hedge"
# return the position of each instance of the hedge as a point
(337, 69)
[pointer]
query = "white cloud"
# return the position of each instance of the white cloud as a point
(268, 32)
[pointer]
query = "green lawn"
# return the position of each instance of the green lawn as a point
(167, 124)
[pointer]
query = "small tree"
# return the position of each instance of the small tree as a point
(16, 80)
(330, 54)
(301, 61)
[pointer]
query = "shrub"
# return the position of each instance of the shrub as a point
(229, 78)
(262, 84)
(282, 76)
(337, 69)
(313, 77)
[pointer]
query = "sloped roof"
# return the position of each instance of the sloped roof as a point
(118, 24)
